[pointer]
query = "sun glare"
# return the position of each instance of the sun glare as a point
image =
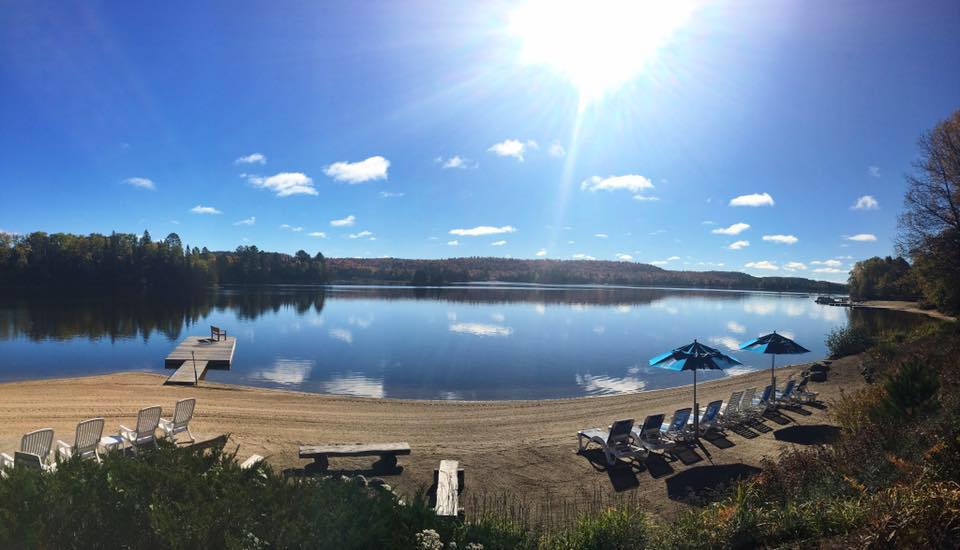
(599, 45)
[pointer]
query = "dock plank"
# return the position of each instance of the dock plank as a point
(448, 489)
(188, 374)
(218, 353)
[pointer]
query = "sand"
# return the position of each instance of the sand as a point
(523, 448)
(910, 307)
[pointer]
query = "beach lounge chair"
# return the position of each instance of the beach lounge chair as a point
(85, 440)
(37, 442)
(802, 395)
(746, 402)
(786, 396)
(676, 430)
(710, 421)
(730, 415)
(147, 420)
(615, 442)
(650, 437)
(182, 414)
(760, 405)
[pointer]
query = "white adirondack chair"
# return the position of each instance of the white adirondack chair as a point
(37, 442)
(85, 441)
(182, 414)
(147, 421)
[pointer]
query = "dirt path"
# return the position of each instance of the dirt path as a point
(524, 448)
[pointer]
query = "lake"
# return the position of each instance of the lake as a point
(473, 342)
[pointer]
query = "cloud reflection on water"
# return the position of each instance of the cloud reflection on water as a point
(481, 329)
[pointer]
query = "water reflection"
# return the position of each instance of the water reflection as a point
(470, 342)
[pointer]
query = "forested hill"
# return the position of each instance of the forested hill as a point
(122, 261)
(480, 269)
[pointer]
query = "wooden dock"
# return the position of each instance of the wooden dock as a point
(195, 355)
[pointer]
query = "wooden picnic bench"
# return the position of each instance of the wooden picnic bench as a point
(448, 481)
(216, 333)
(388, 453)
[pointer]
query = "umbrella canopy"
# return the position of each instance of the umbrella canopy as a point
(694, 356)
(774, 344)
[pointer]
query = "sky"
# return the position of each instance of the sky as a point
(765, 137)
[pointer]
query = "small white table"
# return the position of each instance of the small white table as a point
(111, 442)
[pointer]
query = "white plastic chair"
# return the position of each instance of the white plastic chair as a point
(731, 413)
(85, 441)
(182, 414)
(37, 442)
(614, 442)
(147, 420)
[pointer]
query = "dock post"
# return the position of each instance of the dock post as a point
(196, 381)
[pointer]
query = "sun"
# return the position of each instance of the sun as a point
(598, 45)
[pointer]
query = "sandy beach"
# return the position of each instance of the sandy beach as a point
(524, 448)
(910, 307)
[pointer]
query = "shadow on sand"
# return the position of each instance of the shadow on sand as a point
(815, 434)
(704, 483)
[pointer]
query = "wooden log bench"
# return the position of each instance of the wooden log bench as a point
(448, 480)
(388, 453)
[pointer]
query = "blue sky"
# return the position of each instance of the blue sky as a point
(430, 130)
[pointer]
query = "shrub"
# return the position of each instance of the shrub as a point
(623, 527)
(848, 341)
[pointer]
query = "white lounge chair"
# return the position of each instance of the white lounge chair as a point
(760, 405)
(786, 396)
(85, 440)
(802, 395)
(147, 421)
(37, 442)
(31, 461)
(746, 402)
(710, 421)
(615, 442)
(650, 437)
(182, 414)
(676, 430)
(731, 415)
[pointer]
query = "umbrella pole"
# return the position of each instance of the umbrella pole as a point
(696, 408)
(773, 377)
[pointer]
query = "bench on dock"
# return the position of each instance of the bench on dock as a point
(448, 481)
(388, 453)
(216, 333)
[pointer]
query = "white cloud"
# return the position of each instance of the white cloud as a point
(658, 262)
(285, 184)
(361, 235)
(708, 222)
(601, 235)
(873, 171)
(734, 229)
(738, 245)
(373, 168)
(453, 243)
(291, 228)
(390, 194)
(456, 161)
(763, 264)
(866, 202)
(583, 257)
(631, 182)
(794, 266)
(556, 150)
(481, 329)
(623, 257)
(755, 199)
(254, 158)
(345, 222)
(318, 234)
(828, 263)
(673, 258)
(498, 243)
(482, 230)
(828, 270)
(645, 198)
(736, 327)
(781, 239)
(541, 253)
(249, 221)
(512, 148)
(200, 209)
(862, 237)
(141, 183)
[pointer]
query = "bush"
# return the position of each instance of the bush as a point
(624, 527)
(848, 341)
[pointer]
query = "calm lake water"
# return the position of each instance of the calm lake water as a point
(471, 342)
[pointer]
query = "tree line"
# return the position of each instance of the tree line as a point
(928, 233)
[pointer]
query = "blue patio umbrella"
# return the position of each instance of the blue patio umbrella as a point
(774, 344)
(694, 356)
